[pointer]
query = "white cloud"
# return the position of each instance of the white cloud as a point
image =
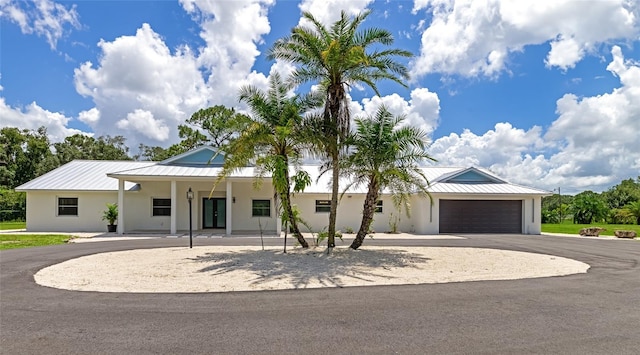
(90, 117)
(475, 38)
(502, 145)
(140, 73)
(564, 53)
(231, 31)
(422, 110)
(328, 11)
(591, 145)
(144, 122)
(42, 17)
(34, 117)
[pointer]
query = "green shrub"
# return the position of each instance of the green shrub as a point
(111, 213)
(621, 216)
(322, 235)
(394, 220)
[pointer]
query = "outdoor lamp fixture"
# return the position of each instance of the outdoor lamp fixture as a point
(190, 198)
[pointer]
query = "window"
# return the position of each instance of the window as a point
(378, 206)
(261, 208)
(161, 207)
(323, 206)
(67, 206)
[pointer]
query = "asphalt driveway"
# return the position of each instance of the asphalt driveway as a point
(593, 313)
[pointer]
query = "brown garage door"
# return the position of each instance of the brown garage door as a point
(477, 216)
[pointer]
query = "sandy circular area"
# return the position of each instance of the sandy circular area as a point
(223, 269)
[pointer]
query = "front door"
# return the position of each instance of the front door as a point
(214, 213)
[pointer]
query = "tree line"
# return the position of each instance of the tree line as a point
(619, 204)
(26, 154)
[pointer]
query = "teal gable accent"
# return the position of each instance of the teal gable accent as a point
(201, 157)
(472, 177)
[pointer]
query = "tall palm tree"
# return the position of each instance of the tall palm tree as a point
(386, 155)
(337, 57)
(272, 142)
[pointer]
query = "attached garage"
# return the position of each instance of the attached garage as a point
(481, 216)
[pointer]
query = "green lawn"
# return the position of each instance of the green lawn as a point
(13, 225)
(569, 228)
(9, 241)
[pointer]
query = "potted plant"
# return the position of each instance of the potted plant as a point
(111, 215)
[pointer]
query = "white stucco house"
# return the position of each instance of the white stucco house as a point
(152, 197)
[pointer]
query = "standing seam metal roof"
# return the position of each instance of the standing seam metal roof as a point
(83, 175)
(92, 175)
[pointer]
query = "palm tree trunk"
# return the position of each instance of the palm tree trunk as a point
(333, 212)
(284, 248)
(286, 204)
(294, 224)
(336, 126)
(367, 213)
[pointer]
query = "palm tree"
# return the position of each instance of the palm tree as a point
(386, 155)
(272, 141)
(337, 57)
(634, 209)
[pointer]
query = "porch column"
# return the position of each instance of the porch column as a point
(174, 207)
(229, 206)
(120, 207)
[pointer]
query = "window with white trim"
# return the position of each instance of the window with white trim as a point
(261, 208)
(67, 206)
(161, 207)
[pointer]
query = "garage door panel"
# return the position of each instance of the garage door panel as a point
(480, 216)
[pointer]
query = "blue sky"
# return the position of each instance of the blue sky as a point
(543, 93)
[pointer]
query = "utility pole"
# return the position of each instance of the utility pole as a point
(560, 207)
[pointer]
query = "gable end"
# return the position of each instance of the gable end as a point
(473, 176)
(204, 155)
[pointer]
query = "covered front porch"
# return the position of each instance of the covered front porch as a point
(186, 192)
(233, 207)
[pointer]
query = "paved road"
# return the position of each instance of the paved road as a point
(593, 313)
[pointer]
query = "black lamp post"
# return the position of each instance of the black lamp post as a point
(190, 198)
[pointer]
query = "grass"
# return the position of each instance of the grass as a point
(569, 228)
(10, 241)
(13, 225)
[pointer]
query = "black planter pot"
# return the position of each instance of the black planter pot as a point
(112, 228)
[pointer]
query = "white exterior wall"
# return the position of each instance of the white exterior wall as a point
(42, 211)
(532, 216)
(138, 207)
(349, 213)
(423, 216)
(244, 194)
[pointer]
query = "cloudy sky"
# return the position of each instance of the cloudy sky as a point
(543, 93)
